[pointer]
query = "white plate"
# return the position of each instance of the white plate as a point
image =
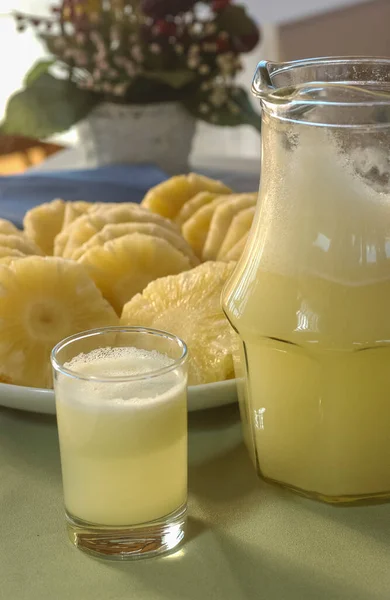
(42, 401)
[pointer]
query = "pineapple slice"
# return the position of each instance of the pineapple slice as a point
(189, 305)
(7, 260)
(9, 228)
(237, 250)
(168, 197)
(42, 223)
(73, 210)
(124, 266)
(6, 252)
(88, 225)
(195, 230)
(194, 204)
(117, 230)
(240, 225)
(221, 221)
(42, 301)
(19, 242)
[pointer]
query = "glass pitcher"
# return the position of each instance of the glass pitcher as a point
(310, 297)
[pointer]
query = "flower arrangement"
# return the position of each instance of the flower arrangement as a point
(135, 52)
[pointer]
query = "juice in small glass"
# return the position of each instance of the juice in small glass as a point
(122, 422)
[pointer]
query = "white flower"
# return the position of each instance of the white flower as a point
(204, 69)
(155, 48)
(234, 108)
(108, 88)
(218, 97)
(179, 49)
(120, 89)
(137, 54)
(81, 38)
(210, 28)
(204, 108)
(193, 62)
(194, 49)
(209, 47)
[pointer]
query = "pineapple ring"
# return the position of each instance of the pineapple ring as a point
(81, 230)
(42, 301)
(6, 251)
(167, 198)
(73, 210)
(194, 204)
(124, 266)
(195, 230)
(235, 253)
(9, 228)
(111, 232)
(20, 243)
(188, 305)
(221, 221)
(240, 225)
(7, 260)
(42, 223)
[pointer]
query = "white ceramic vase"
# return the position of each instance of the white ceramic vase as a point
(158, 134)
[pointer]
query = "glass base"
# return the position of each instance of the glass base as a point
(128, 543)
(347, 500)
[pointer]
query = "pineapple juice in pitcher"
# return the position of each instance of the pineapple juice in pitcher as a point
(310, 297)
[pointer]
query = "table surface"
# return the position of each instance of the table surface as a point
(247, 539)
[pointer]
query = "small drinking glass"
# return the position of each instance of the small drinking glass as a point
(121, 399)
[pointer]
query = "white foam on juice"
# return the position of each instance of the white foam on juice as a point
(106, 363)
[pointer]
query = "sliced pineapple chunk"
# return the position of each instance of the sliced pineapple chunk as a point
(196, 229)
(168, 197)
(117, 230)
(86, 226)
(73, 210)
(7, 260)
(19, 242)
(221, 221)
(237, 250)
(7, 251)
(240, 225)
(42, 301)
(189, 305)
(124, 266)
(9, 228)
(194, 204)
(42, 223)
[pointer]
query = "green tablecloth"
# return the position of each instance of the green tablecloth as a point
(247, 540)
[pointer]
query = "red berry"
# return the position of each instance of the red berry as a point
(166, 28)
(218, 5)
(223, 44)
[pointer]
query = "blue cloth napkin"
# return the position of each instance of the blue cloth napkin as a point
(117, 183)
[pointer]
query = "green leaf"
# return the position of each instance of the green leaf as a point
(235, 20)
(47, 106)
(237, 111)
(40, 67)
(175, 79)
